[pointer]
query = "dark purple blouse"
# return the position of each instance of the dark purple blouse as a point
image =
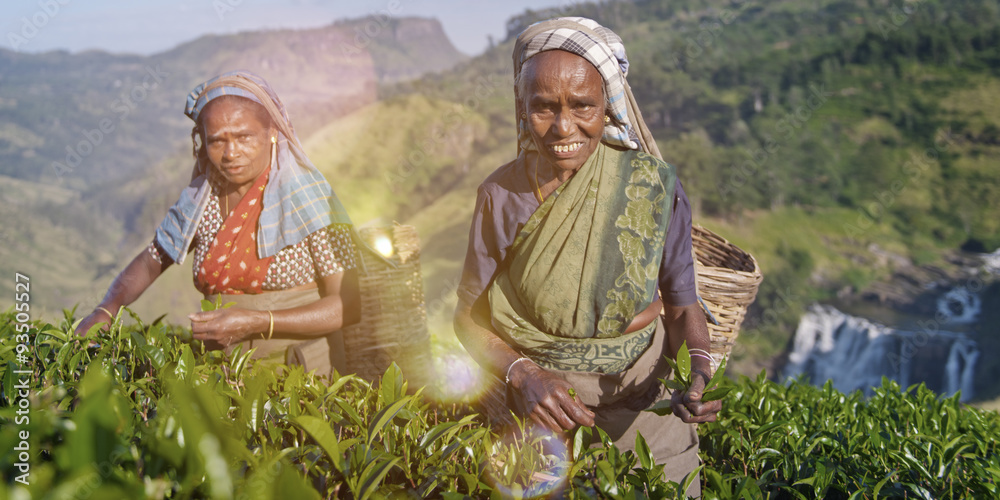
(506, 200)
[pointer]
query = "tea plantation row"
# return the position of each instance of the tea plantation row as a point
(139, 412)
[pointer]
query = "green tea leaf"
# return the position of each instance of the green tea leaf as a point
(384, 417)
(581, 441)
(321, 431)
(372, 477)
(683, 374)
(718, 376)
(642, 451)
(393, 386)
(185, 362)
(661, 408)
(155, 355)
(716, 394)
(441, 430)
(674, 385)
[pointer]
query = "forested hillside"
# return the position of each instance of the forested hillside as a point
(821, 136)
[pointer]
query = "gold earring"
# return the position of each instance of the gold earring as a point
(607, 119)
(524, 116)
(274, 140)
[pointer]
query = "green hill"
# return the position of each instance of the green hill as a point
(808, 133)
(49, 101)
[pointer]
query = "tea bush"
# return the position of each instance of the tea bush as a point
(142, 412)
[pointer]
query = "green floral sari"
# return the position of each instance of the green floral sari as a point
(586, 263)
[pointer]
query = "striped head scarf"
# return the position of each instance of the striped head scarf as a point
(297, 200)
(604, 49)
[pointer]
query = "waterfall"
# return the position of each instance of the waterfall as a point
(991, 262)
(855, 353)
(959, 306)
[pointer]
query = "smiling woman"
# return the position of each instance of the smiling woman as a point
(576, 247)
(265, 228)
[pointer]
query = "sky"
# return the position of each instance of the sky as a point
(150, 26)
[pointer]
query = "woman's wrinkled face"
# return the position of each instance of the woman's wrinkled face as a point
(564, 101)
(237, 143)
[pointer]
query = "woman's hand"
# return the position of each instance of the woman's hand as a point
(223, 327)
(95, 318)
(686, 324)
(688, 405)
(546, 399)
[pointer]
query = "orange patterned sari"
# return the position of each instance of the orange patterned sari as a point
(231, 265)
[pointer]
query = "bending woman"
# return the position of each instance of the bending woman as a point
(265, 228)
(571, 243)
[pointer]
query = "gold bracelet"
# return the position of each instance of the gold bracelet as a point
(99, 308)
(270, 325)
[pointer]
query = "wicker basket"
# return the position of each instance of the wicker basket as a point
(393, 323)
(727, 282)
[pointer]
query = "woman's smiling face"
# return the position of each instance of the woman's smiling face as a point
(564, 101)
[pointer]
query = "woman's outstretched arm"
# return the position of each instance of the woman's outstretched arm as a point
(125, 289)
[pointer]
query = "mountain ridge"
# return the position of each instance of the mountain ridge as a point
(56, 97)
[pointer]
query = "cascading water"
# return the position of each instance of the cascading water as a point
(959, 306)
(991, 262)
(854, 353)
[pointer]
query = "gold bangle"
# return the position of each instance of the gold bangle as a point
(516, 361)
(270, 325)
(99, 308)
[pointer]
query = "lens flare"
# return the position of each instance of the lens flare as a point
(460, 377)
(532, 462)
(384, 245)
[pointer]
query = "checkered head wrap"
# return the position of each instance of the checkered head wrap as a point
(604, 49)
